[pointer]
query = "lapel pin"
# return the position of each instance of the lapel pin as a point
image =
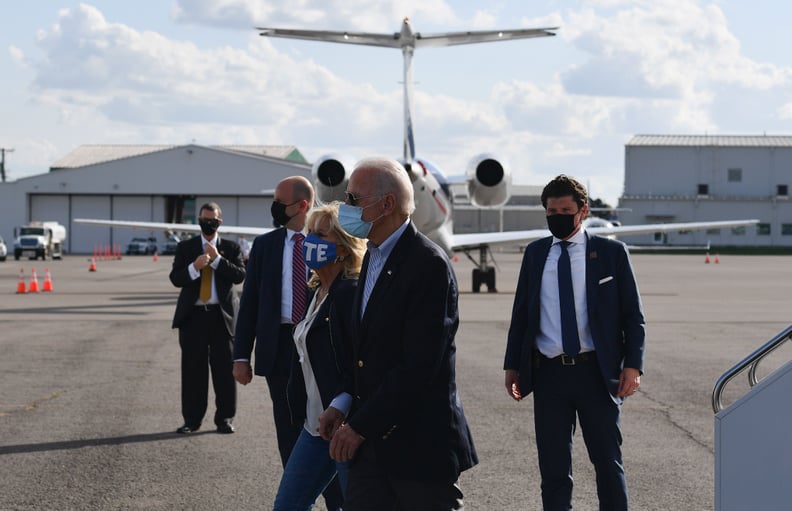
(593, 255)
(390, 272)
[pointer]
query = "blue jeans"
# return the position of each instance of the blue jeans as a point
(308, 471)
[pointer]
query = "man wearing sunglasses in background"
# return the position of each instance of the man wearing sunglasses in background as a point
(206, 268)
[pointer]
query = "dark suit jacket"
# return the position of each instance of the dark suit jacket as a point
(260, 307)
(614, 309)
(404, 377)
(325, 345)
(230, 271)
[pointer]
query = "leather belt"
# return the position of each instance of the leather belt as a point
(565, 360)
(207, 307)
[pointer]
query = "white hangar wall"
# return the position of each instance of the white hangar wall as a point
(688, 178)
(139, 187)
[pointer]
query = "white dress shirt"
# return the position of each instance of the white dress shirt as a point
(549, 341)
(314, 407)
(196, 274)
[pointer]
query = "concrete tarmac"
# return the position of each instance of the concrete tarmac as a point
(89, 391)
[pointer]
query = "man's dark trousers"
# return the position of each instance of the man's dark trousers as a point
(560, 393)
(205, 336)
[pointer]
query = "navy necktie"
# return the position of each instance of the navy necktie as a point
(569, 330)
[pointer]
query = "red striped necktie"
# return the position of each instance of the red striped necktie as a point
(298, 279)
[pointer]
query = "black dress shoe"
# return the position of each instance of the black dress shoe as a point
(226, 428)
(186, 429)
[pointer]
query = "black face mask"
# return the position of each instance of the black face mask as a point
(561, 225)
(279, 216)
(209, 225)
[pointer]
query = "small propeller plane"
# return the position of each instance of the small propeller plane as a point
(487, 179)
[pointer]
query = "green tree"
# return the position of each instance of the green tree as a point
(601, 209)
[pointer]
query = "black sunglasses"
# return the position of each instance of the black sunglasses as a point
(211, 222)
(353, 199)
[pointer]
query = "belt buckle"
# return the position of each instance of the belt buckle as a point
(206, 307)
(566, 360)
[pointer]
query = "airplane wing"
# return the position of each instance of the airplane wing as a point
(482, 36)
(364, 38)
(401, 39)
(458, 241)
(476, 240)
(164, 226)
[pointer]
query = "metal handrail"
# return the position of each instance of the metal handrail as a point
(751, 360)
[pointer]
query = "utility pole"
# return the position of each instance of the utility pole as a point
(3, 151)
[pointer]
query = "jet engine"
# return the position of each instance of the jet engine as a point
(330, 175)
(488, 181)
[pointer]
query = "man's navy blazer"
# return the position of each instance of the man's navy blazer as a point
(404, 377)
(259, 319)
(230, 271)
(614, 310)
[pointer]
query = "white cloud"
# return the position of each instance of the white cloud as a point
(330, 14)
(668, 48)
(144, 78)
(16, 54)
(627, 67)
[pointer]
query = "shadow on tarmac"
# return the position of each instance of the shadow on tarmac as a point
(95, 442)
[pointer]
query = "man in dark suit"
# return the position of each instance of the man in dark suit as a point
(576, 341)
(271, 303)
(406, 435)
(206, 268)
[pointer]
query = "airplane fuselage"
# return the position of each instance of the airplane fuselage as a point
(433, 207)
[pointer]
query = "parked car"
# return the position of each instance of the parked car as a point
(168, 247)
(142, 245)
(3, 249)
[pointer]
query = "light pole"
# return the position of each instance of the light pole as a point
(3, 152)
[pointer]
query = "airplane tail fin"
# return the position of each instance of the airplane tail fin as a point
(409, 137)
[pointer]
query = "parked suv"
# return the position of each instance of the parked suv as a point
(3, 249)
(142, 246)
(169, 246)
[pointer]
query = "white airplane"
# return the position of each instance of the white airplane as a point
(488, 179)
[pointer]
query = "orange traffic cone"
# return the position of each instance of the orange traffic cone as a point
(21, 289)
(47, 280)
(93, 265)
(707, 259)
(33, 288)
(156, 257)
(717, 259)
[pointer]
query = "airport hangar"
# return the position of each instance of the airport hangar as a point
(696, 178)
(152, 183)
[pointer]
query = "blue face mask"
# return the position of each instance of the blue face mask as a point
(350, 219)
(318, 252)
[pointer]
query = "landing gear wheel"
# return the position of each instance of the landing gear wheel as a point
(490, 280)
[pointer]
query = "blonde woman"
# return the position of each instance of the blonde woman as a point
(335, 259)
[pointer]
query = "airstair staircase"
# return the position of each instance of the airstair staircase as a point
(753, 436)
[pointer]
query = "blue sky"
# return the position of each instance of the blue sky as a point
(158, 72)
